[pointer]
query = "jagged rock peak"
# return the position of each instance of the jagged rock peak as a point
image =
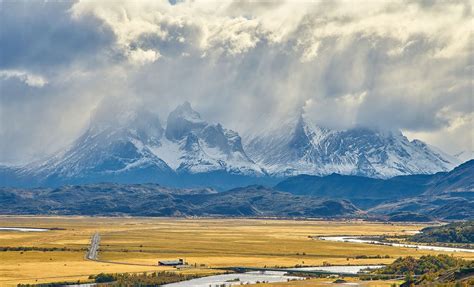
(183, 120)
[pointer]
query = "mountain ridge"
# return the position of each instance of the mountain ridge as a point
(300, 147)
(445, 195)
(156, 200)
(333, 198)
(187, 151)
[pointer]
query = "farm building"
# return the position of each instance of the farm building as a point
(177, 262)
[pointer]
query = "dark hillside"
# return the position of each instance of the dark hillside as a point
(155, 200)
(457, 232)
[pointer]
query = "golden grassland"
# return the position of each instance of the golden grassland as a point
(204, 242)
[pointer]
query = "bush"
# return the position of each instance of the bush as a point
(425, 264)
(459, 232)
(104, 278)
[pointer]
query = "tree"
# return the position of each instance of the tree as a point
(102, 278)
(409, 280)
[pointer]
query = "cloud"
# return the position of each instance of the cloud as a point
(247, 64)
(456, 136)
(31, 80)
(336, 113)
(41, 35)
(238, 26)
(141, 57)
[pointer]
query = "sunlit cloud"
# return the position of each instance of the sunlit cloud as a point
(403, 65)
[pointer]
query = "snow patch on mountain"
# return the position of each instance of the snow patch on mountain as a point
(134, 146)
(203, 147)
(300, 147)
(136, 143)
(168, 151)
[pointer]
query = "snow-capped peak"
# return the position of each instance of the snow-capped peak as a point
(201, 146)
(300, 146)
(135, 145)
(186, 112)
(182, 121)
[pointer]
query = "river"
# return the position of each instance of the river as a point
(355, 239)
(349, 269)
(267, 276)
(235, 279)
(23, 229)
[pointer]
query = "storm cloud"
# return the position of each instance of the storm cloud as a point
(404, 65)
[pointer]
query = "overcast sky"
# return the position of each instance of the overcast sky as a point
(404, 65)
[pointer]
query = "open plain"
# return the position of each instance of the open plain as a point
(136, 245)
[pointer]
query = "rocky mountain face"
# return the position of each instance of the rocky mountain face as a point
(299, 147)
(186, 151)
(135, 147)
(107, 151)
(155, 200)
(192, 145)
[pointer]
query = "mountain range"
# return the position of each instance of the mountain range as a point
(134, 147)
(187, 151)
(444, 195)
(441, 196)
(300, 147)
(155, 200)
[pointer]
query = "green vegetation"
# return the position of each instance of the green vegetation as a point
(128, 279)
(142, 279)
(458, 232)
(424, 265)
(429, 270)
(463, 277)
(102, 278)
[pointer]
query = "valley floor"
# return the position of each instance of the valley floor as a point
(136, 245)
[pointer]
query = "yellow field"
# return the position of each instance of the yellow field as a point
(209, 242)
